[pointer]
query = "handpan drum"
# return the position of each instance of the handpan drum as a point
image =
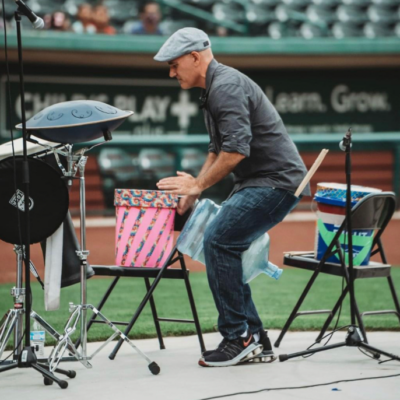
(76, 121)
(48, 200)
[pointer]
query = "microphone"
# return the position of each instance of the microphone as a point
(37, 22)
(345, 141)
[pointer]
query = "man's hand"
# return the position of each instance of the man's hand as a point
(185, 203)
(184, 184)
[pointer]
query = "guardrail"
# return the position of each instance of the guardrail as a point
(237, 46)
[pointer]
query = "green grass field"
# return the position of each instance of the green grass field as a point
(274, 301)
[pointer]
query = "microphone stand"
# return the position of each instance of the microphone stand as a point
(354, 337)
(27, 357)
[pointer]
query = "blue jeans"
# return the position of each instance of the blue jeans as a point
(243, 218)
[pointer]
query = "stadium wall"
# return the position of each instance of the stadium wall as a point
(320, 87)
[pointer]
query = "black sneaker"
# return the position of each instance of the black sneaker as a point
(220, 346)
(267, 355)
(231, 352)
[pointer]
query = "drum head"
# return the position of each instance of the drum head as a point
(6, 149)
(48, 200)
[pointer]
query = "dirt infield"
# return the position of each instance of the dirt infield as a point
(293, 235)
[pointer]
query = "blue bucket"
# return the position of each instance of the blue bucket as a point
(331, 202)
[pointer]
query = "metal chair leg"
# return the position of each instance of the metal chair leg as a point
(394, 296)
(296, 308)
(155, 316)
(141, 306)
(192, 304)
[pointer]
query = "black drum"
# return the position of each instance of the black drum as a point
(48, 200)
(44, 225)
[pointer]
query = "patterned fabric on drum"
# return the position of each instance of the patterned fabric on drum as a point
(144, 198)
(145, 226)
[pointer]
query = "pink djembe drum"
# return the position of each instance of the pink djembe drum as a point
(145, 227)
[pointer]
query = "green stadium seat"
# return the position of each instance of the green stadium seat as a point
(320, 14)
(120, 10)
(388, 3)
(326, 3)
(229, 11)
(379, 14)
(192, 160)
(298, 4)
(155, 164)
(265, 3)
(128, 26)
(118, 169)
(9, 9)
(203, 4)
(169, 26)
(311, 31)
(71, 6)
(43, 7)
(357, 3)
(341, 30)
(260, 15)
(396, 30)
(278, 30)
(117, 163)
(375, 30)
(350, 14)
(286, 13)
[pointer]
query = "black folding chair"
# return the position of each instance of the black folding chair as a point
(150, 273)
(373, 213)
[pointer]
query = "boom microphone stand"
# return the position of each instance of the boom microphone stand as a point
(27, 357)
(354, 337)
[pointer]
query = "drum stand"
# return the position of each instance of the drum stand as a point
(77, 161)
(13, 321)
(24, 355)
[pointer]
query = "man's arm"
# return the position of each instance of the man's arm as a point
(186, 184)
(186, 202)
(224, 164)
(207, 164)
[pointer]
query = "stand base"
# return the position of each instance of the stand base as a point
(354, 338)
(57, 355)
(27, 359)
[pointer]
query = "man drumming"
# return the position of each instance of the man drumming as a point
(248, 138)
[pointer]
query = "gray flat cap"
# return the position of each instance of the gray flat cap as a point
(182, 42)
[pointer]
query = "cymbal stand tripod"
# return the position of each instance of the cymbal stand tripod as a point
(77, 162)
(13, 321)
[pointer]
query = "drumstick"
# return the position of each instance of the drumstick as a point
(311, 172)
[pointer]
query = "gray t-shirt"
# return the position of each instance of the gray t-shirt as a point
(240, 119)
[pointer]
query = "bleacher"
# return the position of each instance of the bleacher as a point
(276, 19)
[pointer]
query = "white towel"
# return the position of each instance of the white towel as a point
(53, 269)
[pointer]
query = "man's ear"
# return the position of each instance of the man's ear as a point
(196, 58)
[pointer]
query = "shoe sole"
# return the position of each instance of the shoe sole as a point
(264, 357)
(251, 351)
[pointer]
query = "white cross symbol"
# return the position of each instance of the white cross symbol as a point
(184, 109)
